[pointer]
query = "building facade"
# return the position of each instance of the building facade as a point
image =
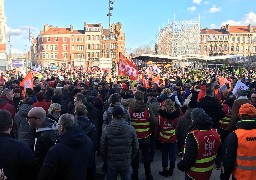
(228, 40)
(67, 46)
(3, 57)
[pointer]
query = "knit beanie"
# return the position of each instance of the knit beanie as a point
(117, 112)
(199, 116)
(247, 109)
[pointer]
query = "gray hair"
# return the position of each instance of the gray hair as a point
(6, 91)
(67, 121)
(53, 107)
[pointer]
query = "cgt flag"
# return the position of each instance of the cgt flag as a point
(127, 68)
(27, 81)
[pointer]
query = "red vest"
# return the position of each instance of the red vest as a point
(166, 129)
(141, 123)
(245, 168)
(208, 142)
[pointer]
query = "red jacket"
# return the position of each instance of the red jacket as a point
(44, 104)
(202, 93)
(5, 104)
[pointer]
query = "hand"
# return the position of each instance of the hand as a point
(2, 176)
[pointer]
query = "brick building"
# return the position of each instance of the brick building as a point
(228, 40)
(63, 46)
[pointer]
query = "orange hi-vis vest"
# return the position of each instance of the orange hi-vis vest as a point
(140, 122)
(208, 142)
(245, 168)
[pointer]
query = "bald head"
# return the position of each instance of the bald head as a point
(36, 116)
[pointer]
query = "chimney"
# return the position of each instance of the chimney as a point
(250, 27)
(84, 26)
(71, 28)
(46, 27)
(227, 27)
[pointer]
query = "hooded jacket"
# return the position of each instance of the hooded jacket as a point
(119, 144)
(71, 158)
(140, 106)
(23, 132)
(89, 129)
(5, 104)
(108, 113)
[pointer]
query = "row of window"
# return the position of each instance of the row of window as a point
(77, 47)
(233, 39)
(232, 48)
(73, 39)
(79, 56)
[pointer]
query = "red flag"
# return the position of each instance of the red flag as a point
(127, 68)
(27, 81)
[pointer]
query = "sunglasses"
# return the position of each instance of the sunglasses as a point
(31, 117)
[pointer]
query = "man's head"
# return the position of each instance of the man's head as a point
(36, 117)
(66, 122)
(6, 121)
(117, 112)
(253, 98)
(209, 92)
(81, 110)
(139, 96)
(8, 93)
(79, 99)
(114, 98)
(200, 117)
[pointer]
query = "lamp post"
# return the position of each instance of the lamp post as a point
(110, 2)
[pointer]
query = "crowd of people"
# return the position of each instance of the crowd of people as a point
(55, 129)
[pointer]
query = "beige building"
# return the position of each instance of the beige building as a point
(229, 40)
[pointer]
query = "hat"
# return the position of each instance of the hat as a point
(128, 94)
(223, 88)
(247, 109)
(38, 112)
(117, 112)
(242, 93)
(139, 95)
(200, 117)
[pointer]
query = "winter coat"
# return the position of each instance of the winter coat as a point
(155, 106)
(140, 106)
(5, 104)
(213, 108)
(230, 149)
(234, 112)
(23, 132)
(45, 138)
(127, 102)
(170, 119)
(16, 158)
(17, 102)
(119, 144)
(71, 158)
(89, 129)
(182, 127)
(107, 116)
(44, 104)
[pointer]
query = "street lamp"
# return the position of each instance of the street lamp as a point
(110, 2)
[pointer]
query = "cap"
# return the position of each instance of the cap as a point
(117, 112)
(247, 109)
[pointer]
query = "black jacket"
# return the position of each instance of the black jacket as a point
(71, 158)
(89, 129)
(230, 149)
(213, 108)
(16, 159)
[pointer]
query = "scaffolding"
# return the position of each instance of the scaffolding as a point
(179, 38)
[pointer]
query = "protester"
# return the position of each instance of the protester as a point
(72, 157)
(16, 157)
(6, 101)
(239, 150)
(119, 146)
(200, 147)
(41, 102)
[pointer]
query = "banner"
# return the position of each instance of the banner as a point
(127, 68)
(27, 81)
(239, 86)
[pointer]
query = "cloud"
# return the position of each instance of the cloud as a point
(192, 8)
(213, 25)
(17, 51)
(197, 1)
(206, 2)
(21, 32)
(214, 9)
(249, 18)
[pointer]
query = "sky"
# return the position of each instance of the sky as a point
(141, 19)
